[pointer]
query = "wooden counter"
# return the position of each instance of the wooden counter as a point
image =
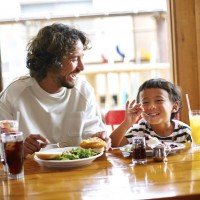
(110, 176)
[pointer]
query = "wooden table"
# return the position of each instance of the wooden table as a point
(110, 176)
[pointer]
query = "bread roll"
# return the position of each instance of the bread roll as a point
(94, 143)
(47, 155)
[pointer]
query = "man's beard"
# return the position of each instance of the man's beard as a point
(63, 83)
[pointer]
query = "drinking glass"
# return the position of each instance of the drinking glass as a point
(139, 150)
(7, 126)
(194, 116)
(13, 151)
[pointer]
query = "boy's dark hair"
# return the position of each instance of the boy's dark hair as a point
(47, 49)
(173, 91)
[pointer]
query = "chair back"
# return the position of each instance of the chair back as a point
(114, 117)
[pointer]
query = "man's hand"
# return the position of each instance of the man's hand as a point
(104, 136)
(33, 143)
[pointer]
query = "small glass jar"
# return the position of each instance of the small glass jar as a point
(139, 150)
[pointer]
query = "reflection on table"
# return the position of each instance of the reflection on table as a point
(110, 176)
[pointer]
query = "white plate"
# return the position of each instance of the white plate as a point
(127, 148)
(65, 163)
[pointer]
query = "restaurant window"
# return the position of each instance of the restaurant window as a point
(129, 42)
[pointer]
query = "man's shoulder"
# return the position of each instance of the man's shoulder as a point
(18, 85)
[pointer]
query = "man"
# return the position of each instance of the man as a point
(54, 104)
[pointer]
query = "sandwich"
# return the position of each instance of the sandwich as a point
(96, 144)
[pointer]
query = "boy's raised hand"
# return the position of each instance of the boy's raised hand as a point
(133, 111)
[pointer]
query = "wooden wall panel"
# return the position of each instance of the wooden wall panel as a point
(197, 16)
(185, 37)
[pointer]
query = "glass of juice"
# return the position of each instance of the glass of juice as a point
(13, 151)
(139, 150)
(194, 116)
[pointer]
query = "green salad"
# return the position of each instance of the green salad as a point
(76, 154)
